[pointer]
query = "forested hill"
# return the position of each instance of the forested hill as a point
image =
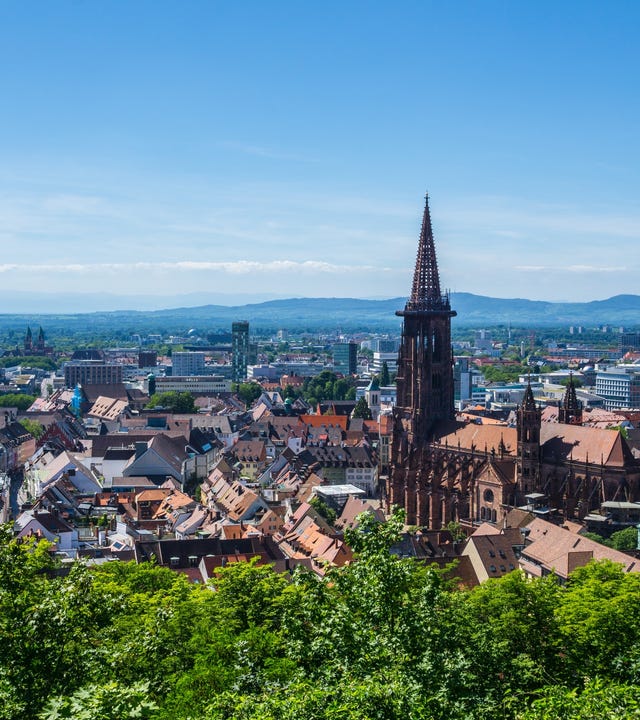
(327, 314)
(382, 638)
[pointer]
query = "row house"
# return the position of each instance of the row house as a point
(44, 468)
(308, 539)
(250, 458)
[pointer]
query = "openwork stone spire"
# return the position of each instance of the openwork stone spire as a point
(528, 402)
(570, 400)
(570, 411)
(425, 292)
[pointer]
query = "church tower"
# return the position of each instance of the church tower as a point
(28, 341)
(425, 389)
(40, 342)
(570, 412)
(529, 423)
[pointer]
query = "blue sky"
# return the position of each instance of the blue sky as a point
(284, 148)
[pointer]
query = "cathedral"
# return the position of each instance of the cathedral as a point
(443, 470)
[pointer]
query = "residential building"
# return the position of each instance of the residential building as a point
(462, 380)
(554, 550)
(147, 359)
(629, 341)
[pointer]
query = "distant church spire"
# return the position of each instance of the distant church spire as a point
(425, 291)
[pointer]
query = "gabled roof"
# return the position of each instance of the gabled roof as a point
(340, 421)
(565, 442)
(480, 437)
(494, 552)
(108, 408)
(354, 507)
(172, 450)
(50, 522)
(249, 451)
(556, 548)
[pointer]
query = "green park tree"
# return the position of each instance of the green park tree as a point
(361, 410)
(33, 427)
(177, 402)
(22, 402)
(248, 392)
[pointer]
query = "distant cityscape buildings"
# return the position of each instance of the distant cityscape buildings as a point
(497, 422)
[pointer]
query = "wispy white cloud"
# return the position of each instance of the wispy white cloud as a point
(571, 268)
(594, 269)
(240, 267)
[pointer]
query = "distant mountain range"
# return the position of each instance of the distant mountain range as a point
(329, 314)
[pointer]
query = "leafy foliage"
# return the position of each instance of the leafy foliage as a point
(22, 402)
(248, 392)
(174, 401)
(328, 513)
(327, 386)
(623, 540)
(33, 427)
(382, 637)
(503, 373)
(29, 361)
(362, 410)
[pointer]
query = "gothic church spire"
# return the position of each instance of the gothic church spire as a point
(570, 411)
(425, 291)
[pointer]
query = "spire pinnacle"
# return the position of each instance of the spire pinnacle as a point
(528, 402)
(425, 291)
(571, 410)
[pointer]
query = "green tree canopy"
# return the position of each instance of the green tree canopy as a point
(22, 402)
(361, 410)
(385, 378)
(248, 392)
(177, 402)
(382, 637)
(33, 427)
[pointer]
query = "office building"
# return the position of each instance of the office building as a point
(345, 358)
(239, 350)
(92, 372)
(187, 363)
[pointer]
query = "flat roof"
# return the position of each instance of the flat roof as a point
(619, 505)
(339, 490)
